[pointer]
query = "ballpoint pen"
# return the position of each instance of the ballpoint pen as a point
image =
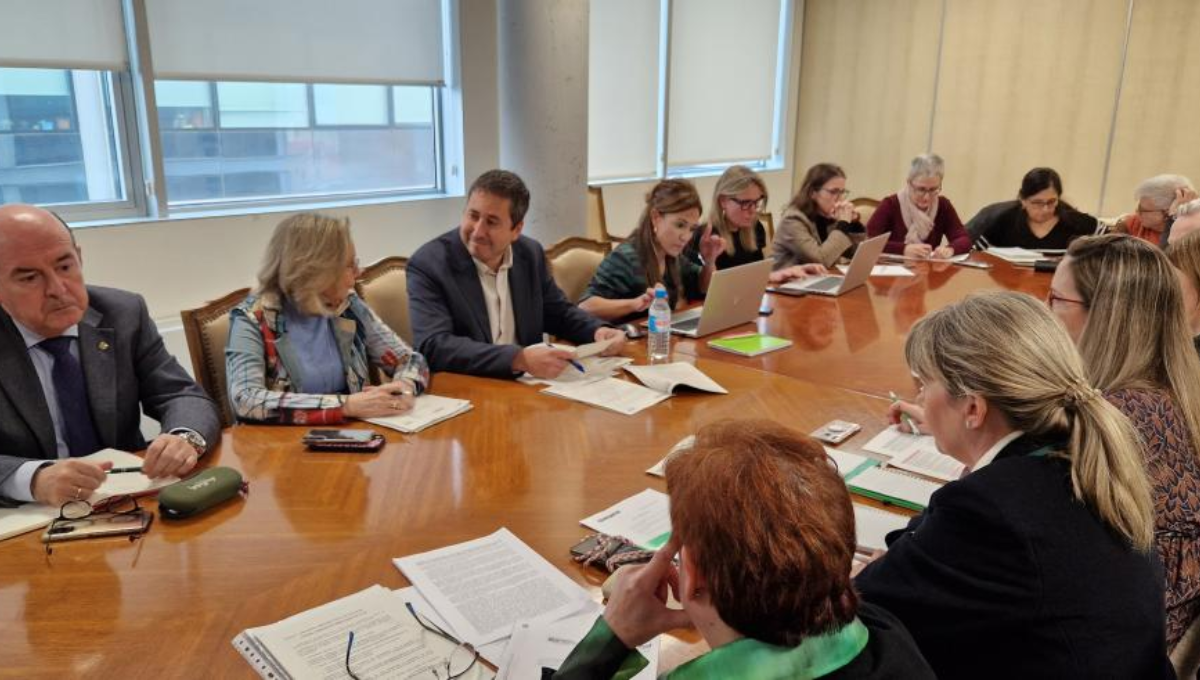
(904, 416)
(119, 470)
(578, 366)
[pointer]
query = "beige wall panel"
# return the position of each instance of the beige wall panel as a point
(1157, 129)
(866, 89)
(1027, 83)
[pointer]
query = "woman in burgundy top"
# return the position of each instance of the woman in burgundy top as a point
(917, 218)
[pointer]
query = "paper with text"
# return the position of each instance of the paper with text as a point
(493, 651)
(666, 377)
(895, 485)
(482, 587)
(644, 518)
(535, 646)
(846, 462)
(427, 410)
(915, 453)
(872, 525)
(612, 394)
(594, 368)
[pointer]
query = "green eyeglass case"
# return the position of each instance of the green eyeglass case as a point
(199, 492)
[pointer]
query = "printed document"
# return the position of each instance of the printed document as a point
(613, 394)
(427, 410)
(846, 462)
(644, 519)
(894, 486)
(535, 646)
(883, 270)
(594, 368)
(872, 525)
(483, 587)
(915, 453)
(666, 377)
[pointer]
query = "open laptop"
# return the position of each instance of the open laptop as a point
(733, 298)
(864, 260)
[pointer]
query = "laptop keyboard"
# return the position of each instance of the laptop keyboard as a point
(687, 324)
(826, 284)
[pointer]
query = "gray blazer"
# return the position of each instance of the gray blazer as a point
(449, 315)
(125, 365)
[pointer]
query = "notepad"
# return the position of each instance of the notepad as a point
(610, 394)
(750, 345)
(427, 410)
(872, 525)
(848, 463)
(666, 377)
(915, 453)
(893, 487)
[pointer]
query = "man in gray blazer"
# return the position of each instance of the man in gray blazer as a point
(480, 296)
(76, 362)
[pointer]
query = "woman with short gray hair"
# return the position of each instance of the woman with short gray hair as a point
(1158, 199)
(918, 218)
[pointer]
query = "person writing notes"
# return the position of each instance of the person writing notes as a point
(1040, 561)
(480, 296)
(78, 366)
(918, 217)
(301, 347)
(773, 599)
(1038, 220)
(820, 225)
(623, 285)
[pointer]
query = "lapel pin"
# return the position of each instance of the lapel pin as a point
(102, 345)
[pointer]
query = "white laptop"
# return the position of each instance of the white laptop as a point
(857, 274)
(734, 296)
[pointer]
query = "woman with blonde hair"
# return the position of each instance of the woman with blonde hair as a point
(1185, 255)
(301, 347)
(623, 285)
(1039, 562)
(1107, 290)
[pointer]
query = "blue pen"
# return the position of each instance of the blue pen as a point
(578, 366)
(904, 416)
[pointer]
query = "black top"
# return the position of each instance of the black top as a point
(740, 255)
(1007, 575)
(1006, 225)
(825, 225)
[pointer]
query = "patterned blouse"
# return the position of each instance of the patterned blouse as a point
(620, 277)
(262, 367)
(1171, 460)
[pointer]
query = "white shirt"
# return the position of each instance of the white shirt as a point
(18, 485)
(995, 450)
(498, 297)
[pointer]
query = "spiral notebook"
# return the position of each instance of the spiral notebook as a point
(893, 487)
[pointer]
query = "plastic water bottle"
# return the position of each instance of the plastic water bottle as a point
(660, 327)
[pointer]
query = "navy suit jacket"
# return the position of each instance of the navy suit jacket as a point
(449, 315)
(126, 368)
(1007, 575)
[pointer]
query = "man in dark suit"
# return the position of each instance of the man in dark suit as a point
(76, 362)
(481, 296)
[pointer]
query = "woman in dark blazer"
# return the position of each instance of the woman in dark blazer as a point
(1038, 563)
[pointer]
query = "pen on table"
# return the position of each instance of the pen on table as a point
(578, 366)
(115, 471)
(904, 416)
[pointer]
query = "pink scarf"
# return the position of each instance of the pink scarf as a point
(919, 222)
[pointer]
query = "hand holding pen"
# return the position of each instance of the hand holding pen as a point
(905, 415)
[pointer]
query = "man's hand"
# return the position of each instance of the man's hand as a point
(167, 455)
(541, 361)
(70, 479)
(605, 333)
(637, 610)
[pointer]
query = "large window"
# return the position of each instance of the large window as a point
(683, 87)
(220, 108)
(231, 141)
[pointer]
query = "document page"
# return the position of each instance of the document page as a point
(872, 525)
(124, 483)
(666, 377)
(895, 485)
(915, 453)
(594, 348)
(1016, 255)
(846, 462)
(594, 368)
(538, 646)
(644, 519)
(659, 469)
(482, 587)
(621, 396)
(428, 409)
(493, 651)
(883, 270)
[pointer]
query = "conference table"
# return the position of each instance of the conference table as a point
(319, 526)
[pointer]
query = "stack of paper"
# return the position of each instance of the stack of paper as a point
(893, 487)
(666, 377)
(427, 410)
(883, 270)
(906, 258)
(32, 516)
(1016, 255)
(872, 525)
(594, 368)
(644, 519)
(537, 647)
(915, 453)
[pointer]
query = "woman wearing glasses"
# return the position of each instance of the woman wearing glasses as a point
(623, 285)
(918, 217)
(739, 196)
(1038, 220)
(301, 347)
(1040, 561)
(819, 225)
(772, 598)
(1157, 200)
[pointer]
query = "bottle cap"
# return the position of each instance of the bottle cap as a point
(659, 291)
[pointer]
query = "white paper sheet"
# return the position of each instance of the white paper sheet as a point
(594, 368)
(883, 270)
(872, 525)
(846, 462)
(482, 587)
(1016, 255)
(612, 394)
(493, 651)
(644, 518)
(427, 410)
(659, 469)
(915, 453)
(666, 377)
(535, 646)
(895, 485)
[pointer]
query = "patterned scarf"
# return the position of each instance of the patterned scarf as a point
(919, 222)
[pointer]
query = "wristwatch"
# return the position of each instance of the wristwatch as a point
(193, 438)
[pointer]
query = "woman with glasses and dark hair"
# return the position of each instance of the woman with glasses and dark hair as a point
(819, 225)
(738, 197)
(773, 598)
(918, 217)
(1038, 220)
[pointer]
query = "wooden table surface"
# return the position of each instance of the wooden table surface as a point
(318, 526)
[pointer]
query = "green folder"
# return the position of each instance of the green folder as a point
(749, 345)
